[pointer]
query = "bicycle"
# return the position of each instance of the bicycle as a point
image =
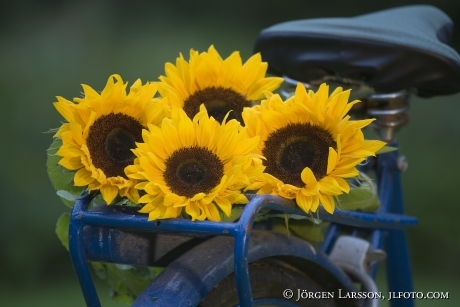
(384, 69)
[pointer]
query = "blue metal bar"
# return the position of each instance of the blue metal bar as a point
(240, 230)
(399, 270)
(242, 239)
(370, 220)
(139, 221)
(80, 262)
(330, 237)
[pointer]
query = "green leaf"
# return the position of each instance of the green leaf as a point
(362, 197)
(62, 229)
(66, 195)
(125, 281)
(304, 228)
(60, 177)
(386, 149)
(359, 199)
(236, 213)
(312, 232)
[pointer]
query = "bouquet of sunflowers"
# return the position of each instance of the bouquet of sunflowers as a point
(195, 141)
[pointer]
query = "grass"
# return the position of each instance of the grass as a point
(61, 293)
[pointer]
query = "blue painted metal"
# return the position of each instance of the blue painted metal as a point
(391, 239)
(399, 268)
(187, 280)
(389, 221)
(77, 252)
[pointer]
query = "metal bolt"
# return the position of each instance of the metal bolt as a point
(402, 163)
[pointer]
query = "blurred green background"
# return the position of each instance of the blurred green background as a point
(48, 48)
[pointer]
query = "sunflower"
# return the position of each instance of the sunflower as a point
(194, 166)
(222, 85)
(101, 130)
(311, 145)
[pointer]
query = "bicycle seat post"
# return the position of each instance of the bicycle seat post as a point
(389, 111)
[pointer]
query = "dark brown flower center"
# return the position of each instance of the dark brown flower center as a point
(294, 147)
(110, 140)
(192, 170)
(218, 101)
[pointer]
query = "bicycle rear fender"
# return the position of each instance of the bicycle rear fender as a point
(187, 280)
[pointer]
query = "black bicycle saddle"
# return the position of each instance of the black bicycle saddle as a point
(401, 48)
